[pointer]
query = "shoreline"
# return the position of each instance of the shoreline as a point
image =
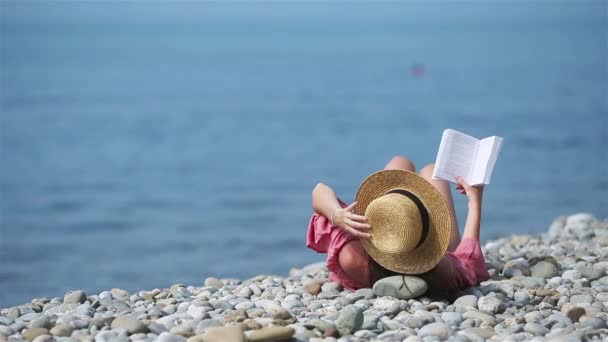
(549, 286)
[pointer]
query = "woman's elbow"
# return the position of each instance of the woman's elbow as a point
(315, 194)
(317, 187)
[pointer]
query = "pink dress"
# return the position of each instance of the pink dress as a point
(467, 260)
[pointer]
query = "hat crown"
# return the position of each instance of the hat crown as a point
(396, 223)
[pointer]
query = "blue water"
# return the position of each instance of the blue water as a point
(147, 145)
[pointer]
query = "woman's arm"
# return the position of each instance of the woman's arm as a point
(325, 202)
(475, 196)
(324, 199)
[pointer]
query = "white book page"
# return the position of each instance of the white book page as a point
(484, 154)
(456, 156)
(496, 147)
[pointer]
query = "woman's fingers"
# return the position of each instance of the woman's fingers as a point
(356, 225)
(355, 217)
(462, 182)
(351, 206)
(358, 233)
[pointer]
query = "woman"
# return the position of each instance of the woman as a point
(336, 230)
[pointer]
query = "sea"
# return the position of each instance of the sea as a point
(145, 144)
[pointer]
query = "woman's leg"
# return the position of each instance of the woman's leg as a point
(353, 260)
(444, 189)
(400, 163)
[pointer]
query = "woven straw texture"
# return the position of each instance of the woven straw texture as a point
(396, 222)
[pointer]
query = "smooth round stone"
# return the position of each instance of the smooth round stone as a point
(350, 319)
(13, 313)
(402, 287)
(214, 282)
(328, 294)
(466, 301)
(384, 303)
(224, 305)
(255, 289)
(452, 318)
(41, 322)
(536, 329)
(119, 293)
(323, 325)
(521, 298)
(474, 314)
(483, 333)
(490, 304)
(513, 268)
(75, 297)
(222, 334)
(594, 322)
(571, 275)
(365, 334)
(277, 311)
(292, 297)
(533, 282)
(271, 333)
(534, 316)
(331, 286)
(9, 320)
(169, 337)
(590, 272)
(44, 338)
(157, 328)
(292, 304)
(132, 326)
(544, 269)
(581, 299)
(182, 330)
(62, 330)
(602, 297)
(555, 281)
(6, 330)
(85, 310)
(106, 296)
(312, 286)
(369, 321)
(439, 330)
(367, 293)
(32, 333)
(245, 292)
(244, 306)
(559, 317)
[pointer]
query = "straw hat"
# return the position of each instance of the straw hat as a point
(411, 222)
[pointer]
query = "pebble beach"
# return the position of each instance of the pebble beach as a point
(547, 287)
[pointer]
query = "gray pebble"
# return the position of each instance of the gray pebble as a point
(349, 320)
(75, 297)
(452, 318)
(490, 304)
(440, 330)
(594, 322)
(544, 269)
(466, 301)
(536, 329)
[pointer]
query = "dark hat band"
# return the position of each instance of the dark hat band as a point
(424, 214)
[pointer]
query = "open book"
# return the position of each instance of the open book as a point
(465, 156)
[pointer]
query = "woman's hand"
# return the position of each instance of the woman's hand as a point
(345, 219)
(473, 193)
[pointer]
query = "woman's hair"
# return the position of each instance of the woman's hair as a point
(378, 272)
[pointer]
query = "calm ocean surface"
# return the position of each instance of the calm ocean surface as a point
(147, 145)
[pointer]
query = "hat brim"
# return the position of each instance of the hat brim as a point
(428, 254)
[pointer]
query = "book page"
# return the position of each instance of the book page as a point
(481, 163)
(496, 147)
(456, 156)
